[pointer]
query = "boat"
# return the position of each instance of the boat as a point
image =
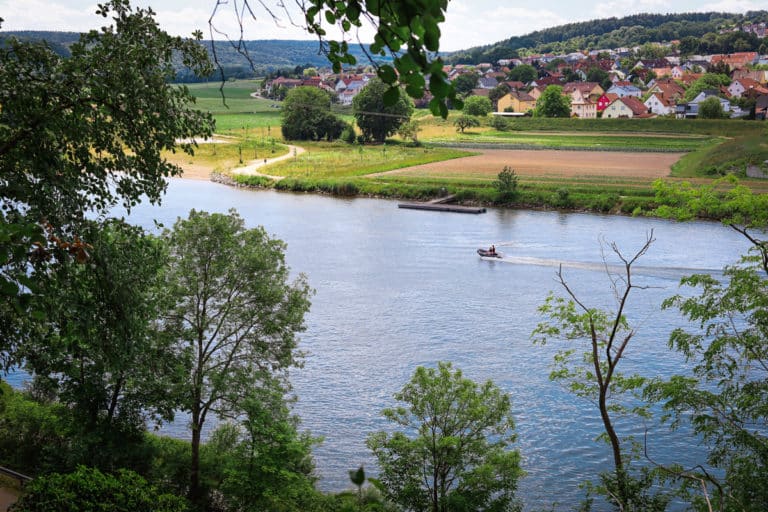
(485, 253)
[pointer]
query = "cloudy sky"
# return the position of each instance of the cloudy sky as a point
(468, 22)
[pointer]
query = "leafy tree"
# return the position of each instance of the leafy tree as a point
(594, 374)
(84, 133)
(306, 115)
(711, 108)
(90, 490)
(454, 453)
(553, 103)
(465, 82)
(599, 76)
(723, 398)
(261, 462)
(410, 130)
(99, 352)
(523, 73)
(707, 81)
(235, 315)
(376, 117)
(463, 122)
(506, 183)
(477, 106)
(407, 30)
(497, 93)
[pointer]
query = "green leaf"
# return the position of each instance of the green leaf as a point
(387, 74)
(391, 96)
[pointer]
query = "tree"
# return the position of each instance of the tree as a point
(306, 115)
(376, 118)
(463, 122)
(506, 184)
(465, 82)
(84, 133)
(458, 455)
(99, 352)
(553, 103)
(523, 73)
(90, 490)
(235, 315)
(407, 30)
(711, 108)
(707, 81)
(410, 130)
(723, 399)
(477, 106)
(497, 93)
(594, 374)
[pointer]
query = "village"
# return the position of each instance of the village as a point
(612, 83)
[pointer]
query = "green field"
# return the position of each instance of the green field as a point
(711, 147)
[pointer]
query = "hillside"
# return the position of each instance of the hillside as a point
(265, 55)
(628, 31)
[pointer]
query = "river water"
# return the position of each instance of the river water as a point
(401, 288)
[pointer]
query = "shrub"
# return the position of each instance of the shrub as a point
(499, 123)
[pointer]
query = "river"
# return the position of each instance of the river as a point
(401, 288)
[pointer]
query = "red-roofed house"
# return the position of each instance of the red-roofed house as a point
(605, 100)
(628, 106)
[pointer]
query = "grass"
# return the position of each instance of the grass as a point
(340, 160)
(712, 148)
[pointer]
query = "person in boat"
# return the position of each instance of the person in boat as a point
(492, 250)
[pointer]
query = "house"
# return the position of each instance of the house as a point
(708, 93)
(536, 92)
(668, 89)
(741, 86)
(589, 90)
(581, 106)
(605, 100)
(516, 101)
(514, 85)
(659, 105)
(760, 76)
(625, 90)
(626, 106)
(553, 79)
(735, 60)
(486, 82)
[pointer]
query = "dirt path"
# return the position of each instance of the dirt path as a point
(203, 172)
(552, 163)
(251, 168)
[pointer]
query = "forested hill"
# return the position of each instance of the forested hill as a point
(610, 33)
(266, 55)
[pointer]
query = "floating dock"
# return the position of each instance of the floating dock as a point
(440, 207)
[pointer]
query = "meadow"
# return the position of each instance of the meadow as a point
(251, 124)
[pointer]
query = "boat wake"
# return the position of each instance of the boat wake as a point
(664, 272)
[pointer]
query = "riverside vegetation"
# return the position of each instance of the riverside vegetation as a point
(119, 329)
(711, 148)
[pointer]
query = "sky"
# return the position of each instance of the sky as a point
(468, 22)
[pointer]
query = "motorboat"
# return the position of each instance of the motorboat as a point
(485, 253)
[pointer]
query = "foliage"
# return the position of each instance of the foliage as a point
(407, 30)
(707, 81)
(499, 123)
(376, 118)
(410, 130)
(593, 374)
(465, 82)
(262, 462)
(306, 115)
(723, 398)
(84, 133)
(552, 103)
(235, 315)
(90, 490)
(463, 122)
(454, 452)
(711, 108)
(506, 184)
(523, 73)
(98, 351)
(477, 106)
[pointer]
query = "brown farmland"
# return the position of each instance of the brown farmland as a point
(549, 163)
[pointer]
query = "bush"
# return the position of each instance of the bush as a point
(499, 123)
(506, 184)
(348, 135)
(477, 106)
